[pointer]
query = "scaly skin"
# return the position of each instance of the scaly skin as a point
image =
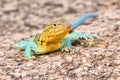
(55, 35)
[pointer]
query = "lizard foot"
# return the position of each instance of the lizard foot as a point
(67, 49)
(89, 42)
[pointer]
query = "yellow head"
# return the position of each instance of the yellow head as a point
(53, 34)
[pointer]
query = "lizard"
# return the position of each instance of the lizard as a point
(56, 35)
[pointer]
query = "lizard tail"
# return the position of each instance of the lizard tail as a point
(81, 19)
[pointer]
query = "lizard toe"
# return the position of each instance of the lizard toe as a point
(67, 49)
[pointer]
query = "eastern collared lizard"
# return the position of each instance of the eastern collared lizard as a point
(54, 36)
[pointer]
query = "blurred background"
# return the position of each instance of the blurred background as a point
(23, 19)
(23, 15)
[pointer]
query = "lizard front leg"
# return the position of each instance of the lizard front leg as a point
(66, 45)
(31, 46)
(27, 53)
(28, 46)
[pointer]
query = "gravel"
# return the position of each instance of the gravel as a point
(23, 19)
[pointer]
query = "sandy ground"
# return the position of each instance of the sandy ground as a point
(22, 19)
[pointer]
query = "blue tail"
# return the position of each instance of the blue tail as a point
(81, 19)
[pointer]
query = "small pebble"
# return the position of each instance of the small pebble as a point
(68, 58)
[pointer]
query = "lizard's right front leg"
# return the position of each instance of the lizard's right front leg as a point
(31, 46)
(26, 45)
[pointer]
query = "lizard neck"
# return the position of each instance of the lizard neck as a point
(52, 41)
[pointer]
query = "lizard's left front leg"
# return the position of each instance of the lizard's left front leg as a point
(65, 45)
(31, 46)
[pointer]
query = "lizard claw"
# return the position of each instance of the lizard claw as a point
(88, 42)
(67, 49)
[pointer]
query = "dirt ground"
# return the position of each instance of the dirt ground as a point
(22, 19)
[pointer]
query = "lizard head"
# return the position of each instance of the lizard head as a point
(60, 26)
(56, 30)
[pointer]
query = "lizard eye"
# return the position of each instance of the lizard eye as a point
(54, 25)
